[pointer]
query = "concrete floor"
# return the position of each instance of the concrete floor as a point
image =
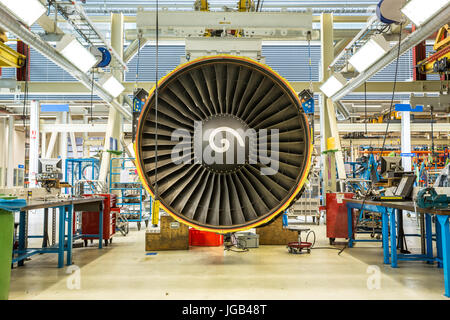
(124, 271)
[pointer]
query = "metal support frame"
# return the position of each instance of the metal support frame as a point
(52, 142)
(54, 128)
(88, 33)
(10, 163)
(73, 140)
(133, 48)
(389, 236)
(328, 123)
(113, 128)
(352, 233)
(34, 143)
(406, 139)
(341, 60)
(65, 217)
(410, 41)
(62, 149)
(116, 165)
(419, 53)
(181, 24)
(10, 23)
(75, 88)
(444, 234)
(10, 58)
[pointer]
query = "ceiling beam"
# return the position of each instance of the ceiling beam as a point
(74, 88)
(10, 23)
(343, 127)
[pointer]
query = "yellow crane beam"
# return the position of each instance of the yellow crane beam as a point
(204, 5)
(442, 48)
(10, 58)
(246, 5)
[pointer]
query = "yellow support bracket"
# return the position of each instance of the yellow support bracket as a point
(155, 213)
(245, 5)
(204, 5)
(10, 58)
(442, 38)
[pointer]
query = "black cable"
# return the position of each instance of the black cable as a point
(393, 89)
(25, 100)
(92, 95)
(138, 60)
(156, 101)
(307, 237)
(25, 97)
(365, 103)
(432, 133)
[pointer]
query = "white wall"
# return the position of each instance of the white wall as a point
(19, 148)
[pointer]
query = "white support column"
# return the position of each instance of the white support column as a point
(86, 147)
(43, 144)
(34, 143)
(327, 55)
(328, 121)
(4, 152)
(115, 118)
(10, 163)
(63, 142)
(406, 139)
(51, 145)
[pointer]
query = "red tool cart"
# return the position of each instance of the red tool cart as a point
(89, 220)
(337, 226)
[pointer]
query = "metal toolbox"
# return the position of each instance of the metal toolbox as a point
(248, 239)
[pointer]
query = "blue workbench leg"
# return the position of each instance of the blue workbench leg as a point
(445, 236)
(385, 235)
(70, 214)
(62, 233)
(393, 239)
(438, 243)
(350, 227)
(429, 237)
(100, 231)
(22, 235)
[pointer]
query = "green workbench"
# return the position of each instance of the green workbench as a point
(6, 246)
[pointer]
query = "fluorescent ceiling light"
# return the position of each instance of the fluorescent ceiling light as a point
(334, 83)
(112, 85)
(369, 53)
(74, 51)
(26, 10)
(419, 11)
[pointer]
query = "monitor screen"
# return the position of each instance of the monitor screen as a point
(390, 164)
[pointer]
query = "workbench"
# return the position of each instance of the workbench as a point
(388, 211)
(66, 208)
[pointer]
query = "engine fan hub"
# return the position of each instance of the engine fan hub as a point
(225, 145)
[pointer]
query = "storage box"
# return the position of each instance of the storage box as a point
(248, 239)
(90, 220)
(172, 235)
(275, 234)
(337, 226)
(204, 238)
